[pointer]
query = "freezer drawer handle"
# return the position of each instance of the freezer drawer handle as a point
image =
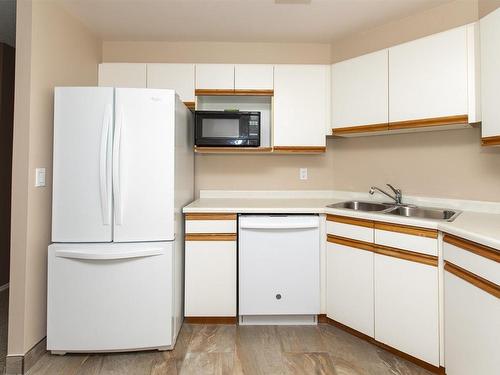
(101, 255)
(278, 226)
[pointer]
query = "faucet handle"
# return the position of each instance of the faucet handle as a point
(396, 191)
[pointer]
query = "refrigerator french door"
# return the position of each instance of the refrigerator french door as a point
(113, 165)
(113, 264)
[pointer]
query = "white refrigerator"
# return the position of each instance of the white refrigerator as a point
(122, 171)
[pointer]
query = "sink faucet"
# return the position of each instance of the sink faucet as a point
(398, 196)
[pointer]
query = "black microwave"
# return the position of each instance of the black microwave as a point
(227, 128)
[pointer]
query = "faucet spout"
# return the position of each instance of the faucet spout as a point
(397, 197)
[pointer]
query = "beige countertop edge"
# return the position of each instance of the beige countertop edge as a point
(465, 225)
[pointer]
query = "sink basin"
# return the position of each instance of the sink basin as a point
(361, 206)
(424, 213)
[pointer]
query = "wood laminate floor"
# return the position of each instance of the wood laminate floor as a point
(252, 350)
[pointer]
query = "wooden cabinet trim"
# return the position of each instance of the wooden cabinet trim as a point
(210, 320)
(406, 229)
(473, 279)
(491, 141)
(210, 237)
(190, 105)
(412, 256)
(361, 245)
(233, 150)
(213, 92)
(299, 149)
(427, 122)
(244, 92)
(210, 216)
(473, 247)
(229, 92)
(360, 129)
(350, 220)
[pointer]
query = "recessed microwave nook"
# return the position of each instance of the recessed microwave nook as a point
(229, 128)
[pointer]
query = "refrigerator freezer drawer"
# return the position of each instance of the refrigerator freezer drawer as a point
(109, 297)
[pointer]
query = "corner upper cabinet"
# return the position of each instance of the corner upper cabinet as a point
(301, 107)
(253, 77)
(360, 95)
(490, 78)
(179, 77)
(127, 75)
(213, 78)
(432, 80)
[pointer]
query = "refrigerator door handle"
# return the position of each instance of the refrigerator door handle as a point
(104, 167)
(117, 167)
(97, 254)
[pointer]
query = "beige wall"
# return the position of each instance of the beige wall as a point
(455, 165)
(53, 49)
(216, 52)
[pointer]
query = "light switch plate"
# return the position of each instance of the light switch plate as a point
(303, 173)
(39, 177)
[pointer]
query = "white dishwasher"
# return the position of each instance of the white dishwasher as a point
(279, 269)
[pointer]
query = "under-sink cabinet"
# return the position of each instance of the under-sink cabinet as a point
(471, 307)
(383, 281)
(210, 266)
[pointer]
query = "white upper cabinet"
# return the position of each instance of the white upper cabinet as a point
(253, 77)
(360, 92)
(428, 77)
(215, 77)
(179, 77)
(301, 105)
(490, 77)
(123, 75)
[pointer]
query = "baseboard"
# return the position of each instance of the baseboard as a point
(322, 318)
(20, 364)
(210, 320)
(4, 287)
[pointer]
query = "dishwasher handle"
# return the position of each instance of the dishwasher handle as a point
(304, 225)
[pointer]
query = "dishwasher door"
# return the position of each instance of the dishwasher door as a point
(279, 270)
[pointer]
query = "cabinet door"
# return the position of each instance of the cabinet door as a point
(122, 75)
(428, 77)
(349, 286)
(210, 278)
(178, 77)
(215, 77)
(472, 328)
(301, 102)
(490, 77)
(406, 307)
(253, 77)
(360, 91)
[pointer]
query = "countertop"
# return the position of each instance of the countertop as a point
(480, 227)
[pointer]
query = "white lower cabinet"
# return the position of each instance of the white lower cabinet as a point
(210, 279)
(472, 329)
(406, 307)
(350, 287)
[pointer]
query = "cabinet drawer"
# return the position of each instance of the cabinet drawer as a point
(210, 223)
(419, 240)
(357, 229)
(210, 278)
(473, 257)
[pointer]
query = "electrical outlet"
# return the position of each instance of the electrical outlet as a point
(39, 177)
(303, 173)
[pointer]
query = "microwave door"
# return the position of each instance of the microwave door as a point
(217, 130)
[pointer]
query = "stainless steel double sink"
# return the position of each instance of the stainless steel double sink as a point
(399, 210)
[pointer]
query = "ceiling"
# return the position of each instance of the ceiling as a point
(321, 21)
(8, 22)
